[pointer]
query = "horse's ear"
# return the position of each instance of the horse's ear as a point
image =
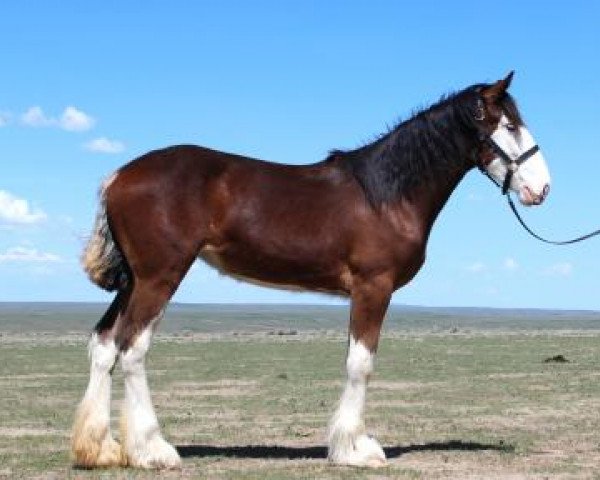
(495, 92)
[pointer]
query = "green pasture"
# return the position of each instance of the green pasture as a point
(480, 404)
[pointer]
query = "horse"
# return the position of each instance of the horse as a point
(355, 224)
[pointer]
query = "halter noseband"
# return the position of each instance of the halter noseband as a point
(512, 164)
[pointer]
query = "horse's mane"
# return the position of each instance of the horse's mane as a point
(433, 142)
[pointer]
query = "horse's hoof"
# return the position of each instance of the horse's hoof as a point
(365, 451)
(156, 454)
(369, 452)
(111, 454)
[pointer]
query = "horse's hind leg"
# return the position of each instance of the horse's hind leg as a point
(143, 444)
(349, 443)
(92, 444)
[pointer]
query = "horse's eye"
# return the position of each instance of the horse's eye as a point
(511, 127)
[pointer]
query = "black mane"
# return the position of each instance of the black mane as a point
(433, 142)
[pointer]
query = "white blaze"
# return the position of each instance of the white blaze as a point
(532, 176)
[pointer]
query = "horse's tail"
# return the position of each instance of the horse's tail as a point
(102, 259)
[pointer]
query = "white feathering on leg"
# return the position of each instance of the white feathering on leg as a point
(91, 442)
(142, 441)
(348, 443)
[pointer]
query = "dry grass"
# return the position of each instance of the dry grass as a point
(444, 406)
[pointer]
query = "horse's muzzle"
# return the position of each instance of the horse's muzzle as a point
(528, 198)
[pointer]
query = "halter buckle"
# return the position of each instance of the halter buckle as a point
(480, 111)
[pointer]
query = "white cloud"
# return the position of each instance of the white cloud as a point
(71, 120)
(74, 120)
(561, 269)
(35, 117)
(476, 267)
(5, 118)
(28, 255)
(510, 264)
(17, 210)
(104, 145)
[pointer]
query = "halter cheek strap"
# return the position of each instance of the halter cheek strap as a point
(512, 165)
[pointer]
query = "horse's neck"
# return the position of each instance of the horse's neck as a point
(440, 194)
(423, 205)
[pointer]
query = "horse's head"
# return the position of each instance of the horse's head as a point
(509, 154)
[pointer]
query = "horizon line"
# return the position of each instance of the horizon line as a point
(301, 304)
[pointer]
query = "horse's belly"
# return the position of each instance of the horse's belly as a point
(277, 271)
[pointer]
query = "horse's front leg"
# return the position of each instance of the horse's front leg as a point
(349, 443)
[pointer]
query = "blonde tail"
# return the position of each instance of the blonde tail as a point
(102, 260)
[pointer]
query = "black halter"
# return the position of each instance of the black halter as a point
(512, 164)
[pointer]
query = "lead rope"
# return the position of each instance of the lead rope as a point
(541, 239)
(511, 204)
(512, 166)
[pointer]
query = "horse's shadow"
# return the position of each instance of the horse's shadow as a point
(320, 452)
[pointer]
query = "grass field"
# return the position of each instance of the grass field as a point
(448, 402)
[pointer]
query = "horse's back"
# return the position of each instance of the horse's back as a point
(180, 163)
(186, 172)
(213, 197)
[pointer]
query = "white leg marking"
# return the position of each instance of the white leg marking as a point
(92, 443)
(143, 443)
(348, 442)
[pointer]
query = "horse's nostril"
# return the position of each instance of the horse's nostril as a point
(545, 191)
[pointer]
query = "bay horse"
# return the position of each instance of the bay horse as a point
(355, 224)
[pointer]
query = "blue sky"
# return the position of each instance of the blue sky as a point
(87, 86)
